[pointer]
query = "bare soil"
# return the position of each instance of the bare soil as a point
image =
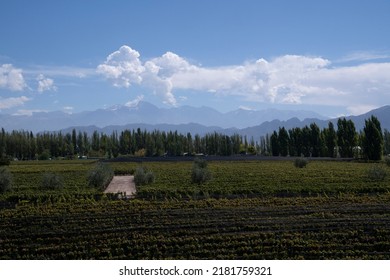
(122, 184)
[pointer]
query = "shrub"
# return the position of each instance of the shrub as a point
(376, 173)
(100, 176)
(5, 180)
(200, 162)
(143, 176)
(300, 162)
(200, 173)
(140, 153)
(51, 181)
(45, 155)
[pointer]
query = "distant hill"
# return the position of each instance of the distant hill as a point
(382, 113)
(182, 119)
(147, 113)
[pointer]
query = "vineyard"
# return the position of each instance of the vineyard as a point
(248, 210)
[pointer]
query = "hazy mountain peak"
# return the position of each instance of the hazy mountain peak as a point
(142, 112)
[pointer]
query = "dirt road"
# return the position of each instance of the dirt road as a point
(122, 184)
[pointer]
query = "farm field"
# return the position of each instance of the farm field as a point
(249, 210)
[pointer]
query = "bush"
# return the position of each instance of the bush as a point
(200, 162)
(143, 176)
(376, 173)
(45, 155)
(5, 180)
(100, 176)
(300, 162)
(51, 181)
(200, 173)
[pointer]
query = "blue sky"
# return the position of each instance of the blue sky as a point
(332, 57)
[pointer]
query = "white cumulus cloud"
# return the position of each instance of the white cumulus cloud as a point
(122, 67)
(11, 78)
(288, 79)
(45, 84)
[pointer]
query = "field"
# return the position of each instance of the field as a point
(249, 210)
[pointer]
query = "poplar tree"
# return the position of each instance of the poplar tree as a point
(372, 139)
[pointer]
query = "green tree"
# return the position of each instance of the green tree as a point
(306, 141)
(372, 139)
(274, 139)
(346, 137)
(315, 140)
(386, 142)
(330, 138)
(283, 140)
(295, 136)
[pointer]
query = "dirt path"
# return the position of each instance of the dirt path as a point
(122, 184)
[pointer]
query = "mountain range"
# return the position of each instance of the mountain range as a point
(196, 120)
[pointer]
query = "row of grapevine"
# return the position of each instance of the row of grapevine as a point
(277, 228)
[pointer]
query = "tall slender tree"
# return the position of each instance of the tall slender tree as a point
(386, 142)
(372, 139)
(275, 144)
(346, 137)
(330, 138)
(283, 140)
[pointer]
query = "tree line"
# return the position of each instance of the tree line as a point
(25, 145)
(309, 141)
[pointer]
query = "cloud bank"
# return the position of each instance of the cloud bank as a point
(6, 103)
(288, 79)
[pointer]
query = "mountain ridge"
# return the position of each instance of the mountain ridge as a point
(185, 119)
(147, 113)
(255, 131)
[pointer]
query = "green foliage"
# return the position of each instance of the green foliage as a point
(386, 142)
(376, 173)
(45, 155)
(200, 162)
(346, 137)
(300, 162)
(257, 228)
(330, 138)
(143, 176)
(275, 147)
(372, 139)
(283, 140)
(267, 219)
(100, 176)
(200, 173)
(52, 181)
(5, 179)
(252, 150)
(315, 140)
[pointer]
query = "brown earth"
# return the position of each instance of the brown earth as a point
(122, 184)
